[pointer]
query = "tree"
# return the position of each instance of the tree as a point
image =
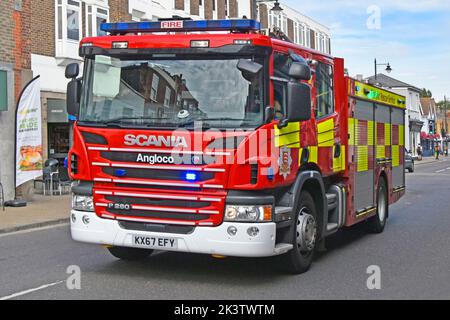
(426, 93)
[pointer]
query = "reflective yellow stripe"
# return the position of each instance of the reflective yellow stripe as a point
(352, 123)
(362, 156)
(401, 135)
(387, 134)
(288, 136)
(325, 133)
(313, 154)
(395, 156)
(370, 133)
(339, 163)
(381, 152)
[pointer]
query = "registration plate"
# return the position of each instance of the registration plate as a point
(155, 242)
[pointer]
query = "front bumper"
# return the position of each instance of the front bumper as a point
(205, 240)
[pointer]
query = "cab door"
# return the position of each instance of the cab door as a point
(330, 153)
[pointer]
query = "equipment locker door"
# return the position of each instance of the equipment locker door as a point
(398, 148)
(364, 155)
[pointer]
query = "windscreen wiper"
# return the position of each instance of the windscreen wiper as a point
(119, 121)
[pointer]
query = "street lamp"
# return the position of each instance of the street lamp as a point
(388, 67)
(277, 9)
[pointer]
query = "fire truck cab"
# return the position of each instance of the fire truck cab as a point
(211, 137)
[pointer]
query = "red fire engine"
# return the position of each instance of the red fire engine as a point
(211, 137)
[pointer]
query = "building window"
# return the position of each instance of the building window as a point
(324, 90)
(155, 84)
(95, 17)
(307, 37)
(3, 90)
(167, 97)
(73, 20)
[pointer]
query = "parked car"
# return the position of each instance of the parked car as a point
(409, 161)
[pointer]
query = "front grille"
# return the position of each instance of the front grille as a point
(254, 174)
(158, 215)
(161, 228)
(74, 164)
(157, 174)
(178, 159)
(93, 138)
(147, 188)
(158, 202)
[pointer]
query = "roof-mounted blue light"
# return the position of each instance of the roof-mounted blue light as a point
(244, 25)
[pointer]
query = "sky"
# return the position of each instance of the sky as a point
(412, 35)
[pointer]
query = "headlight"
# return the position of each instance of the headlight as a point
(82, 203)
(248, 213)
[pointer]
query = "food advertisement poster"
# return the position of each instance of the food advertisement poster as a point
(29, 134)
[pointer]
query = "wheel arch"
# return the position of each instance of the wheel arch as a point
(312, 182)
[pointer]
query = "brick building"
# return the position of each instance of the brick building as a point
(298, 27)
(15, 73)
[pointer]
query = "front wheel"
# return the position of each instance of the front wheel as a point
(130, 254)
(304, 236)
(377, 223)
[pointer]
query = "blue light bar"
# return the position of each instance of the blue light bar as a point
(181, 26)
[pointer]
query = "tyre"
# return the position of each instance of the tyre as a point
(304, 236)
(130, 254)
(377, 223)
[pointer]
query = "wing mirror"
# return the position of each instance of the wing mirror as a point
(73, 89)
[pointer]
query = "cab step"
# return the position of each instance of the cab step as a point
(282, 248)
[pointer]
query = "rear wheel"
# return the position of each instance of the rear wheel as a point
(130, 254)
(377, 223)
(299, 259)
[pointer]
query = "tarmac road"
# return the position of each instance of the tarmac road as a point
(413, 255)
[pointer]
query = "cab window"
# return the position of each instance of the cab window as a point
(282, 63)
(324, 90)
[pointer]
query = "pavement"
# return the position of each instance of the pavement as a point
(42, 211)
(427, 160)
(413, 256)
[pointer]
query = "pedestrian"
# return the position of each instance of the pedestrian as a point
(436, 151)
(446, 149)
(419, 152)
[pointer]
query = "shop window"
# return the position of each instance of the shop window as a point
(3, 90)
(324, 90)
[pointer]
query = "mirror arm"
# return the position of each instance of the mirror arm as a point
(270, 114)
(283, 123)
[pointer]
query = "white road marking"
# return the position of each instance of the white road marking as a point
(33, 229)
(439, 171)
(22, 293)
